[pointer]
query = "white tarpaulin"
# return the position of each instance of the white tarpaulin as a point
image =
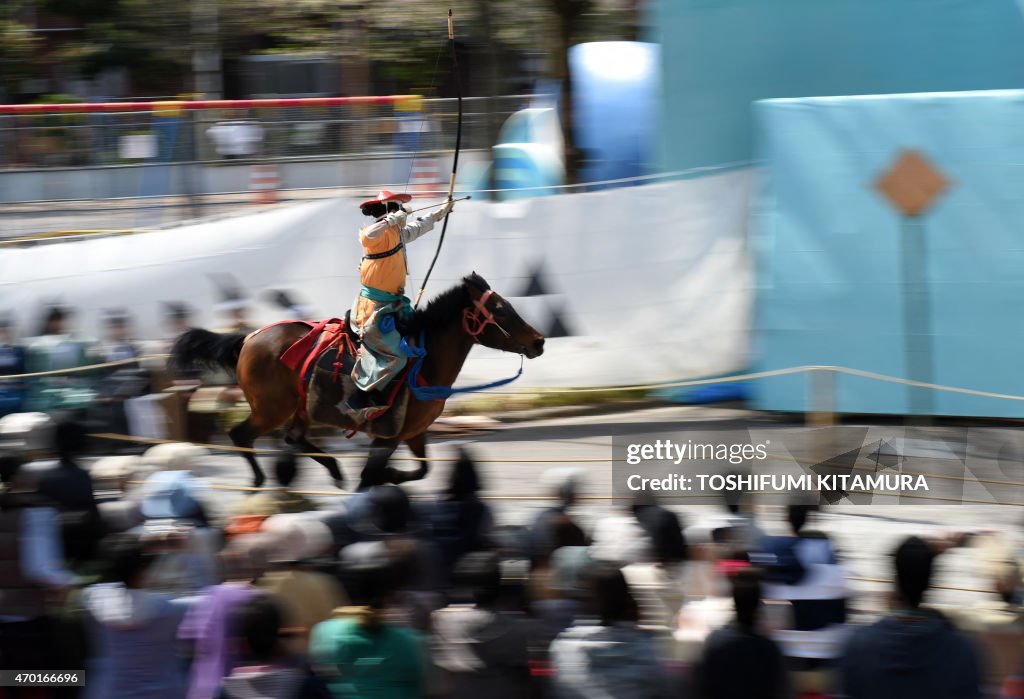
(644, 284)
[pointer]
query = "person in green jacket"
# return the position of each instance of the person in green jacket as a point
(359, 653)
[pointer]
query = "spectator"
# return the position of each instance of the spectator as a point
(802, 570)
(742, 531)
(121, 384)
(234, 305)
(176, 528)
(206, 626)
(119, 344)
(33, 575)
(658, 581)
(914, 651)
(663, 527)
(55, 321)
(606, 656)
(56, 348)
(304, 595)
(564, 485)
(460, 521)
(12, 362)
(236, 139)
(267, 672)
(997, 622)
(278, 500)
(620, 538)
(177, 318)
(132, 630)
(482, 652)
(70, 487)
(378, 510)
(738, 661)
(360, 654)
(557, 587)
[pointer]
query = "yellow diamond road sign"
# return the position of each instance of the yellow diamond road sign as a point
(912, 184)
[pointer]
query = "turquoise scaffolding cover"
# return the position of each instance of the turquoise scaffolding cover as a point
(720, 56)
(828, 247)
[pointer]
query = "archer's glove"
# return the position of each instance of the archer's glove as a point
(444, 211)
(396, 219)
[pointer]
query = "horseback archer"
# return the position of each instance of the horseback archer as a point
(382, 305)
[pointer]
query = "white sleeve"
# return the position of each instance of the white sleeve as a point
(414, 230)
(42, 554)
(374, 230)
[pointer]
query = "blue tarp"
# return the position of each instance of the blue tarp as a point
(829, 251)
(719, 56)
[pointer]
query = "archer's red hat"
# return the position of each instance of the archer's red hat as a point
(385, 196)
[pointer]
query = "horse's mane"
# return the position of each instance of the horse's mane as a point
(445, 307)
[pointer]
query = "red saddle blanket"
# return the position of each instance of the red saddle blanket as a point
(307, 349)
(305, 353)
(295, 356)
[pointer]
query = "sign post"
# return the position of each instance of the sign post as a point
(912, 185)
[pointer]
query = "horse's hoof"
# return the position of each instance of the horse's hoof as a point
(339, 483)
(258, 482)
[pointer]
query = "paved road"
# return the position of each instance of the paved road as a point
(864, 533)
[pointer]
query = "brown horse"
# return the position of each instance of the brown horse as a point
(451, 324)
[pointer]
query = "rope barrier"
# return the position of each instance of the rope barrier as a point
(567, 460)
(751, 376)
(52, 235)
(328, 454)
(80, 369)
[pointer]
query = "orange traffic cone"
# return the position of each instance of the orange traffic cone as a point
(264, 182)
(425, 176)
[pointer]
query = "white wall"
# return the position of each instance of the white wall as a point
(653, 281)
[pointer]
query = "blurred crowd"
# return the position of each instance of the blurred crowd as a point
(58, 345)
(136, 572)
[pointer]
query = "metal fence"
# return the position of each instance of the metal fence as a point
(62, 136)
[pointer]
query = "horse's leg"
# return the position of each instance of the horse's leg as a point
(270, 388)
(244, 435)
(376, 471)
(328, 462)
(296, 438)
(418, 446)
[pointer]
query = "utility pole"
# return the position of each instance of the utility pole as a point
(207, 79)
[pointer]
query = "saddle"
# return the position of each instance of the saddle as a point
(331, 348)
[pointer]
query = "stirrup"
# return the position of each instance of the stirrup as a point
(359, 400)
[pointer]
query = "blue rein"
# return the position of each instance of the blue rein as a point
(425, 393)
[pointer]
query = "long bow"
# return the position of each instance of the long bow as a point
(455, 159)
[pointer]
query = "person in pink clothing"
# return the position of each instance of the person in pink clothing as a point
(207, 626)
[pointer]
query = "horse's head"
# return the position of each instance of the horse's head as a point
(492, 321)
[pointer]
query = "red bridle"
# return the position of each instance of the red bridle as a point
(476, 319)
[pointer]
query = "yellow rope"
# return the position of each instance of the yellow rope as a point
(77, 369)
(808, 368)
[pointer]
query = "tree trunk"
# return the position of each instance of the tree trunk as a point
(567, 13)
(491, 87)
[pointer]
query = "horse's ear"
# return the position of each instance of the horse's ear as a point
(475, 280)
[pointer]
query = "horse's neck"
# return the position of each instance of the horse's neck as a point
(447, 350)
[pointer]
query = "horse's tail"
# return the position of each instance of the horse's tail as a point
(201, 348)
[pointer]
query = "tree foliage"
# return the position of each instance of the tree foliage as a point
(154, 38)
